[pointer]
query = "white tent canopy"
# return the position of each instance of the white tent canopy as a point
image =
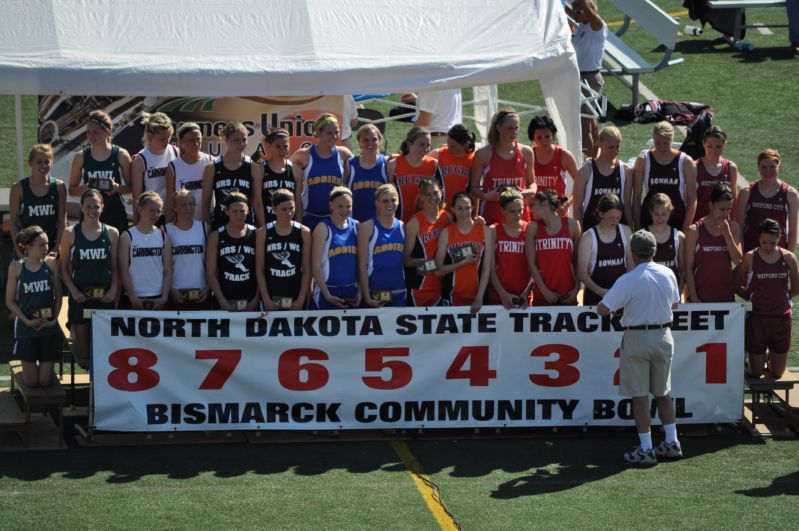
(288, 48)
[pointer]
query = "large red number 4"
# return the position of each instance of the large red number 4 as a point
(715, 362)
(291, 368)
(226, 362)
(401, 372)
(567, 356)
(478, 372)
(146, 377)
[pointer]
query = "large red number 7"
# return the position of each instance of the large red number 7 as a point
(226, 362)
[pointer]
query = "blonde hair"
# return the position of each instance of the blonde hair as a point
(610, 132)
(232, 127)
(663, 128)
(148, 197)
(182, 193)
(155, 123)
(384, 189)
(499, 118)
(323, 120)
(661, 199)
(362, 130)
(186, 127)
(45, 149)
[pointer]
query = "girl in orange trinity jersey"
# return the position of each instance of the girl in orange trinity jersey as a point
(410, 167)
(455, 161)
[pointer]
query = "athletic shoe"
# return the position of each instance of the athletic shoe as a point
(669, 450)
(639, 456)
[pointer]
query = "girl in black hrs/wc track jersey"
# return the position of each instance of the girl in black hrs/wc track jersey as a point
(279, 173)
(283, 256)
(232, 172)
(230, 259)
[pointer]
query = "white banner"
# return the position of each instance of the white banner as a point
(397, 368)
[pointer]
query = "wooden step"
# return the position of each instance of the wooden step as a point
(55, 394)
(11, 417)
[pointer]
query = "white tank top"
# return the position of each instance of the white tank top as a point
(589, 46)
(188, 256)
(190, 177)
(146, 269)
(155, 169)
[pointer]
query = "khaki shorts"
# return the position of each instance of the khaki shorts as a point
(596, 82)
(645, 365)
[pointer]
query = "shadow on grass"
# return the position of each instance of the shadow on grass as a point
(720, 46)
(561, 465)
(546, 466)
(784, 485)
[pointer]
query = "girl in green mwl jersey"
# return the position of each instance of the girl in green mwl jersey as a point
(88, 268)
(33, 295)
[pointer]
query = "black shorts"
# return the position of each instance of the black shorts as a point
(39, 348)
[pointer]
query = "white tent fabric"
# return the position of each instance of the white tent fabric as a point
(287, 48)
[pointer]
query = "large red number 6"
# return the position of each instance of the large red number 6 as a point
(715, 362)
(568, 374)
(478, 372)
(146, 378)
(401, 372)
(290, 369)
(226, 362)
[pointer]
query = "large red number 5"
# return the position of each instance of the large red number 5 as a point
(290, 369)
(568, 374)
(478, 372)
(715, 362)
(401, 372)
(226, 362)
(146, 378)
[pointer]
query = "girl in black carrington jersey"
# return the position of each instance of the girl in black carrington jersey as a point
(230, 259)
(283, 256)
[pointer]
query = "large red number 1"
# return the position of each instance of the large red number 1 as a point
(226, 361)
(290, 369)
(715, 362)
(567, 356)
(478, 372)
(146, 378)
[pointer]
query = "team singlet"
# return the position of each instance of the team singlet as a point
(235, 264)
(146, 268)
(34, 291)
(40, 210)
(599, 185)
(553, 256)
(466, 279)
(426, 290)
(608, 262)
(713, 274)
(499, 173)
(363, 183)
(91, 259)
(155, 169)
(667, 252)
(321, 176)
(667, 179)
(704, 184)
(552, 175)
(283, 264)
(455, 172)
(225, 183)
(510, 264)
(188, 256)
(407, 179)
(190, 177)
(767, 286)
(92, 171)
(759, 208)
(273, 181)
(386, 254)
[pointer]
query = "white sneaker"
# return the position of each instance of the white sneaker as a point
(669, 450)
(639, 456)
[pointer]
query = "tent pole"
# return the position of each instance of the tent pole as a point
(18, 116)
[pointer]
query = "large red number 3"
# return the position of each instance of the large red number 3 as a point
(401, 372)
(146, 377)
(715, 362)
(291, 367)
(226, 362)
(478, 372)
(567, 356)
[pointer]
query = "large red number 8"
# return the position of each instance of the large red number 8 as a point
(146, 378)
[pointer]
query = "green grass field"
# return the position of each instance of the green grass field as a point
(725, 481)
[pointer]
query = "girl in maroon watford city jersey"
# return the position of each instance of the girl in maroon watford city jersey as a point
(711, 244)
(712, 168)
(769, 197)
(771, 276)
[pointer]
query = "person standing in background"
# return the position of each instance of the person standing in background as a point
(437, 111)
(589, 45)
(349, 119)
(647, 294)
